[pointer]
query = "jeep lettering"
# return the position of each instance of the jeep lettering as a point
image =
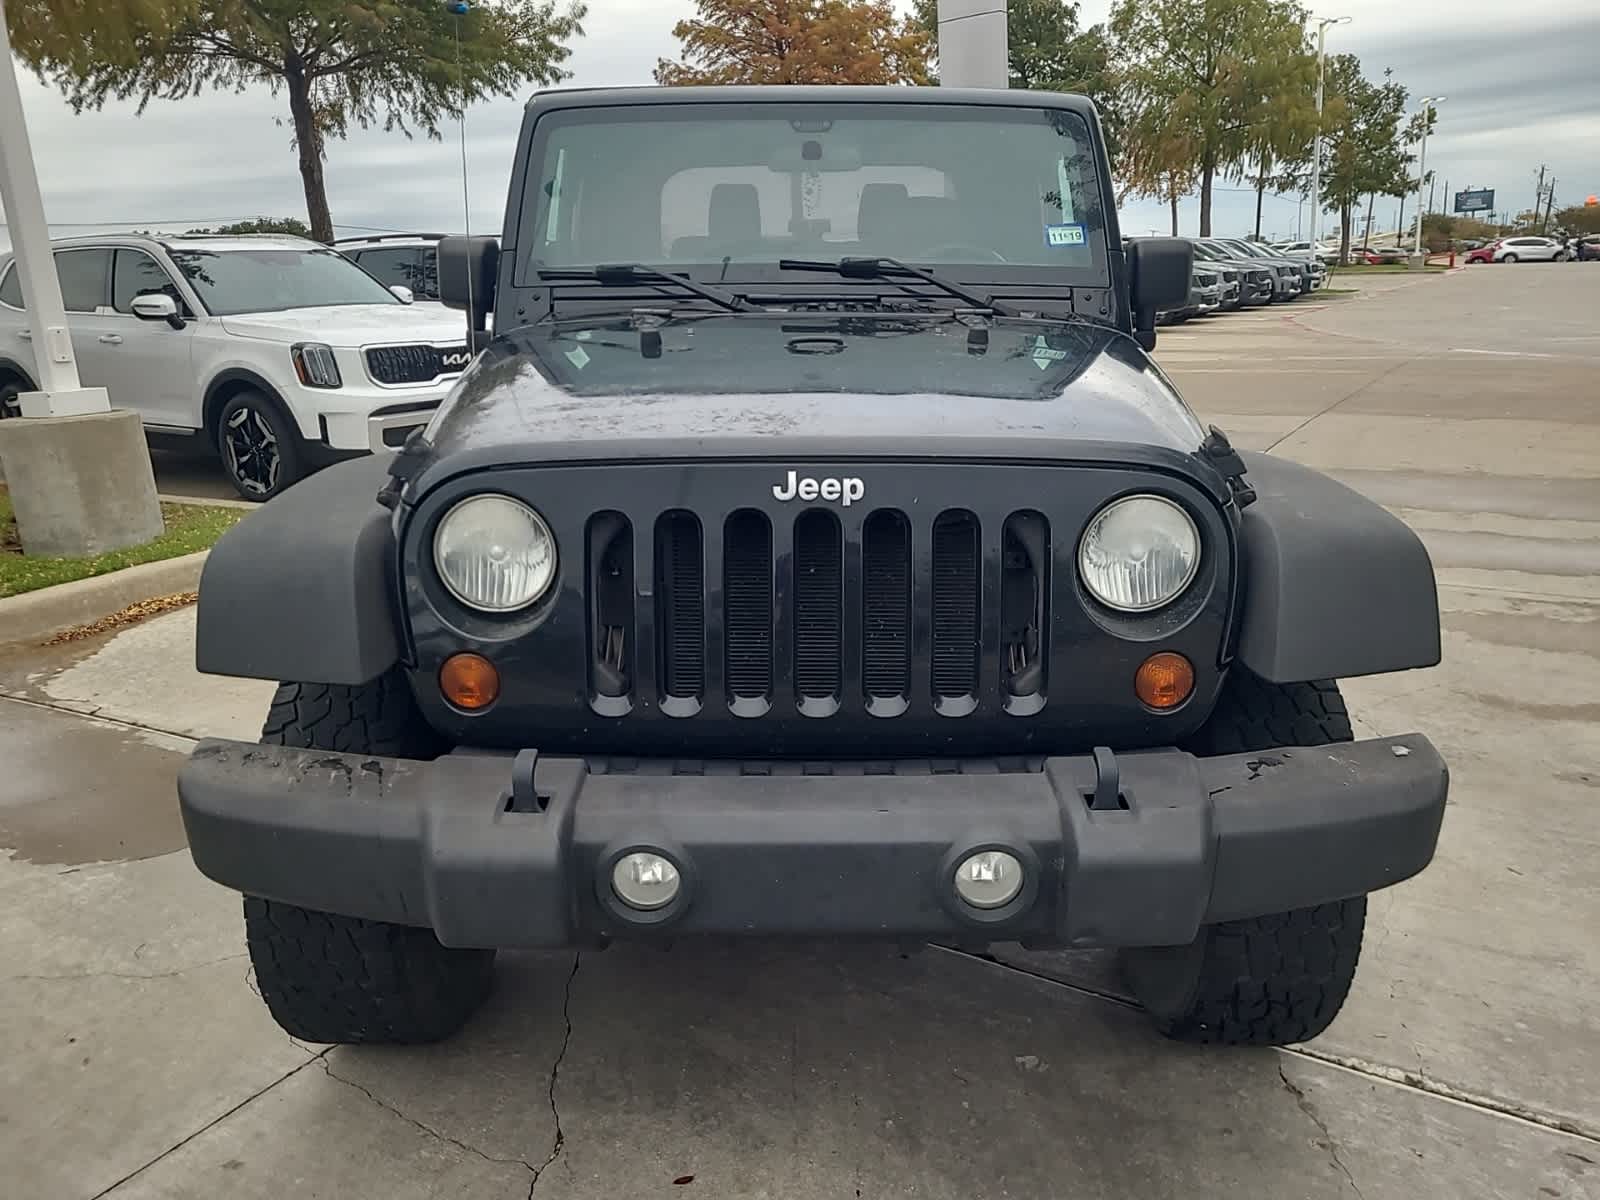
(847, 490)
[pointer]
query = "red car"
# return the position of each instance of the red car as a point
(1484, 253)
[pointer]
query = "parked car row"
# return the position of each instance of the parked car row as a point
(1525, 249)
(277, 352)
(1232, 273)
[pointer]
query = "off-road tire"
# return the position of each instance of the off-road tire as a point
(336, 979)
(1270, 980)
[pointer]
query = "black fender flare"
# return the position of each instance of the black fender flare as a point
(1334, 586)
(302, 589)
(211, 406)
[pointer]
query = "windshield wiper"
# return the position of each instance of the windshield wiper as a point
(623, 273)
(891, 268)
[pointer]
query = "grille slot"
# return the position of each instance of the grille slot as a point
(956, 583)
(818, 605)
(680, 600)
(886, 605)
(747, 604)
(415, 364)
(611, 601)
(1024, 580)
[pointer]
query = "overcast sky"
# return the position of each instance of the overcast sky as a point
(1521, 82)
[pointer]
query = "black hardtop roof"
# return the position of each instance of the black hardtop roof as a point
(820, 93)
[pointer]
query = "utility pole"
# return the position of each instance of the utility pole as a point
(1538, 192)
(1432, 183)
(68, 442)
(973, 50)
(1549, 204)
(1422, 172)
(1316, 141)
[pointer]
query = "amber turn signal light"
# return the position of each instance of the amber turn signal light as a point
(469, 681)
(1164, 680)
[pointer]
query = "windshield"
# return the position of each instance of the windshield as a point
(231, 282)
(724, 193)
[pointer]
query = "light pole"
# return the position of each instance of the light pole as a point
(1422, 168)
(973, 43)
(1316, 141)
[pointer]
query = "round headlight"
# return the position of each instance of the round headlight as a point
(1139, 553)
(494, 553)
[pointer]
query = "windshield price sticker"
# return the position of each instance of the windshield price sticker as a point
(1064, 235)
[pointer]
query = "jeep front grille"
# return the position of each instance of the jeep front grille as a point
(414, 364)
(803, 610)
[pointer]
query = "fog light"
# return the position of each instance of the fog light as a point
(645, 881)
(989, 879)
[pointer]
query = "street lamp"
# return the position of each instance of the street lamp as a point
(1422, 166)
(1316, 142)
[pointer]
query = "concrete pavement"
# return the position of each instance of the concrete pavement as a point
(135, 1062)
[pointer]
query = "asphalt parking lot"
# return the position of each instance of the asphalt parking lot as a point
(135, 1062)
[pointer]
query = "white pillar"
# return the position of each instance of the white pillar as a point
(56, 370)
(972, 44)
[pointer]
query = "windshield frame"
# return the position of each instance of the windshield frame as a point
(561, 111)
(207, 299)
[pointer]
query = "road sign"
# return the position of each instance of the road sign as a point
(1475, 200)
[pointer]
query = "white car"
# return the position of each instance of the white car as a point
(409, 260)
(278, 352)
(1530, 249)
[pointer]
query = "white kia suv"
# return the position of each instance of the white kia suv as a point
(279, 352)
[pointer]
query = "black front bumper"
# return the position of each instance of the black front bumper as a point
(492, 851)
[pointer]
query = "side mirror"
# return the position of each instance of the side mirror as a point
(402, 292)
(1159, 270)
(468, 271)
(157, 306)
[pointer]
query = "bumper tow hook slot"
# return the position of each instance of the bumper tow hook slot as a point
(1107, 781)
(525, 797)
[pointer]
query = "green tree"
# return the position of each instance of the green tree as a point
(288, 226)
(339, 62)
(1579, 219)
(1363, 148)
(1218, 67)
(796, 41)
(1278, 143)
(1047, 51)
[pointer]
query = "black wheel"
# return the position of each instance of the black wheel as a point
(1269, 980)
(11, 397)
(259, 445)
(330, 978)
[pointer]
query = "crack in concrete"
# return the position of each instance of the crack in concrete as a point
(1329, 1142)
(559, 1142)
(94, 714)
(209, 1125)
(421, 1125)
(199, 966)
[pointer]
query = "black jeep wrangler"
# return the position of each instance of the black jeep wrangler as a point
(814, 549)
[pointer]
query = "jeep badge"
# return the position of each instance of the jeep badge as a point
(847, 490)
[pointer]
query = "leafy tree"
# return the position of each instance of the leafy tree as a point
(796, 41)
(1363, 151)
(289, 226)
(1217, 68)
(340, 62)
(1578, 219)
(1047, 51)
(1278, 144)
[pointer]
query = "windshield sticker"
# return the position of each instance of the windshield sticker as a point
(1043, 355)
(578, 357)
(1063, 235)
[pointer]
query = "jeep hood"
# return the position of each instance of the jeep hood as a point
(353, 325)
(795, 387)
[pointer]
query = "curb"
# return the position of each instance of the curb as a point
(35, 616)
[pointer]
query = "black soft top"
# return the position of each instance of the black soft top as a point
(818, 93)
